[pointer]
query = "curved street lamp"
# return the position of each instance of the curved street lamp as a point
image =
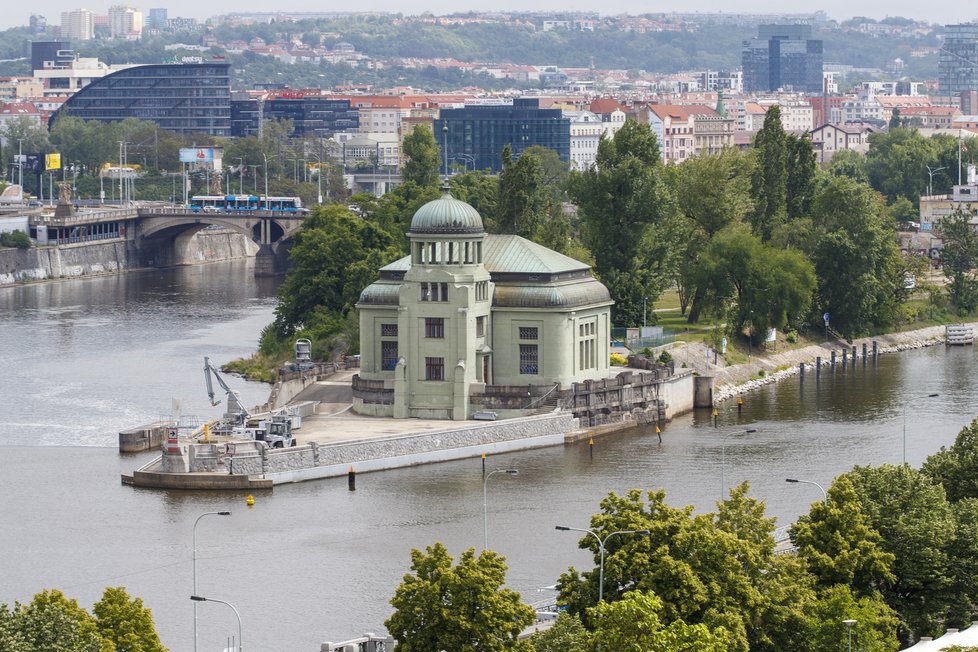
(905, 404)
(601, 542)
(195, 565)
(198, 598)
(485, 503)
(825, 496)
(723, 456)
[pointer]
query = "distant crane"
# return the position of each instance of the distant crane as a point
(235, 414)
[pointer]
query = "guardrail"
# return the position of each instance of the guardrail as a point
(181, 212)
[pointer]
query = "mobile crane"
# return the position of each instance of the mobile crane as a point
(276, 431)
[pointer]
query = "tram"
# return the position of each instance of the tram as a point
(245, 203)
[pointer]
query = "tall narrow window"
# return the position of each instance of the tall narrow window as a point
(529, 363)
(480, 326)
(434, 327)
(388, 355)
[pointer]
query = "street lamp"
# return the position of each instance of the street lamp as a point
(723, 456)
(195, 565)
(265, 156)
(905, 404)
(825, 496)
(485, 503)
(849, 622)
(198, 598)
(750, 315)
(240, 175)
(930, 173)
(601, 542)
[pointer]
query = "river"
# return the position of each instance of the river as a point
(313, 561)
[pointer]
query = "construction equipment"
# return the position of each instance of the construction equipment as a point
(235, 414)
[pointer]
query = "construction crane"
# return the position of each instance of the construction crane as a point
(235, 414)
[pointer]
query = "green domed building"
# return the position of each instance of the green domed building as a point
(466, 310)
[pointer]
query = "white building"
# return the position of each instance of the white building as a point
(585, 133)
(125, 22)
(78, 25)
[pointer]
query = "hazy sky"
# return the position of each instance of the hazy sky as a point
(943, 12)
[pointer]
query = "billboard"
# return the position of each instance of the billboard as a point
(52, 161)
(197, 155)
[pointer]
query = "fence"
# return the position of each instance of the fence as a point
(644, 337)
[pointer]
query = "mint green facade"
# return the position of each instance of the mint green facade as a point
(467, 309)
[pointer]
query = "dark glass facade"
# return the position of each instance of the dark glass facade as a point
(311, 115)
(183, 98)
(783, 57)
(957, 66)
(477, 134)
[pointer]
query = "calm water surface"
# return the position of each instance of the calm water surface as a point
(313, 562)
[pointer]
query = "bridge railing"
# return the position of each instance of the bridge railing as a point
(87, 217)
(181, 212)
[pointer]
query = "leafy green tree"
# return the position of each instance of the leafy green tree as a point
(617, 201)
(335, 255)
(875, 629)
(857, 262)
(567, 633)
(897, 161)
(771, 176)
(481, 191)
(17, 239)
(422, 155)
(11, 639)
(839, 546)
(956, 467)
(800, 181)
(911, 513)
(959, 259)
(521, 200)
(963, 552)
(126, 622)
(445, 607)
(632, 624)
(902, 211)
(54, 623)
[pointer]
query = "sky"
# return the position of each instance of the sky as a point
(943, 12)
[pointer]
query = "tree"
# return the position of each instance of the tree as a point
(520, 204)
(876, 623)
(632, 624)
(771, 177)
(421, 155)
(567, 633)
(956, 468)
(54, 623)
(800, 181)
(897, 161)
(335, 255)
(618, 199)
(126, 622)
(917, 526)
(857, 263)
(848, 163)
(959, 259)
(442, 607)
(839, 546)
(17, 239)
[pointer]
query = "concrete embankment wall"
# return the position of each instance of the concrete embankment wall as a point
(111, 256)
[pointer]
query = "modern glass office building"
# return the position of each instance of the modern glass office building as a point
(957, 64)
(783, 57)
(189, 98)
(311, 115)
(476, 134)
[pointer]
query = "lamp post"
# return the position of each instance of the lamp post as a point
(485, 503)
(197, 598)
(825, 496)
(240, 175)
(601, 548)
(930, 174)
(195, 565)
(723, 456)
(265, 156)
(905, 404)
(849, 622)
(750, 316)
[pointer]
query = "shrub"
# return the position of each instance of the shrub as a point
(618, 360)
(665, 357)
(17, 239)
(791, 337)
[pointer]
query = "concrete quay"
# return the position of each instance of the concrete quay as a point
(334, 440)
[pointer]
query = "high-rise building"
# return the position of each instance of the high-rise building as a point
(192, 98)
(311, 115)
(157, 18)
(125, 22)
(957, 65)
(78, 25)
(783, 57)
(477, 133)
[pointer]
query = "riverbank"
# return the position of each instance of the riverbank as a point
(735, 380)
(111, 256)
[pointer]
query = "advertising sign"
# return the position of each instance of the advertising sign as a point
(196, 154)
(52, 161)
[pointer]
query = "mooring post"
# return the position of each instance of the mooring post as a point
(845, 356)
(875, 352)
(801, 371)
(740, 406)
(351, 479)
(853, 355)
(864, 353)
(818, 367)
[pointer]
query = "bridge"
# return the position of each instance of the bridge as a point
(158, 234)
